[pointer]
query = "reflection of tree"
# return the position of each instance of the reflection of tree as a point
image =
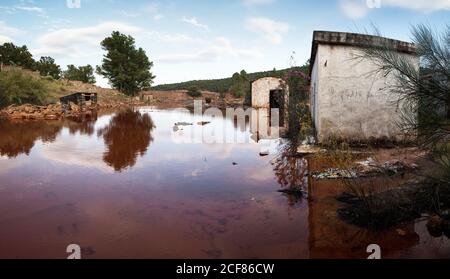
(18, 137)
(290, 169)
(128, 135)
(292, 173)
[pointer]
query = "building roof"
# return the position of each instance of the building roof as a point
(357, 40)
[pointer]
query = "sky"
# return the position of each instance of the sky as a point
(205, 39)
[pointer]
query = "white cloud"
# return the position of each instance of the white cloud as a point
(173, 38)
(257, 2)
(32, 9)
(72, 42)
(6, 32)
(5, 39)
(420, 5)
(272, 30)
(219, 48)
(356, 9)
(195, 22)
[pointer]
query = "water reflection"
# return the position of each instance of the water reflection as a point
(183, 201)
(127, 136)
(19, 137)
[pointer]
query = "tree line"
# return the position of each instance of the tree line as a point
(239, 84)
(127, 67)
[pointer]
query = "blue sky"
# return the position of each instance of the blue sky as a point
(201, 39)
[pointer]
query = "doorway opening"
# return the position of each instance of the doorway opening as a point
(277, 102)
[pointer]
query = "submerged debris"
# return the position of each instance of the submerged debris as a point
(183, 124)
(366, 168)
(203, 123)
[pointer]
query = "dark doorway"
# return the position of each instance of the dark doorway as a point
(277, 102)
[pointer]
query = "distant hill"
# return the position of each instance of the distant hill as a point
(222, 85)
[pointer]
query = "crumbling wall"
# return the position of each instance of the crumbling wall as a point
(352, 101)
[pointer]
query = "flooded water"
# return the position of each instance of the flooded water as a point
(129, 184)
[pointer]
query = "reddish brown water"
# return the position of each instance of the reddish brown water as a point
(121, 187)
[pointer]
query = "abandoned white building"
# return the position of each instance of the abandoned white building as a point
(270, 93)
(348, 99)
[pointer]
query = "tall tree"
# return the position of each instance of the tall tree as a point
(10, 54)
(47, 67)
(83, 73)
(126, 67)
(240, 85)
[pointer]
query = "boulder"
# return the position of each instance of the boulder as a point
(435, 226)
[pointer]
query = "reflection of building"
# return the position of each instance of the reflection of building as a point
(349, 99)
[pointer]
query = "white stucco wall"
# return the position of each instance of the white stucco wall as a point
(261, 91)
(348, 100)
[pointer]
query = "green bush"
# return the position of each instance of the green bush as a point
(19, 88)
(194, 92)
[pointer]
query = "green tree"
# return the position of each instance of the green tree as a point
(13, 55)
(47, 67)
(241, 85)
(194, 92)
(125, 66)
(83, 73)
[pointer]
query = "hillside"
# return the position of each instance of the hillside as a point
(25, 86)
(222, 85)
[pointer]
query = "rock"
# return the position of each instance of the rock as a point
(264, 153)
(235, 164)
(434, 226)
(183, 124)
(335, 174)
(51, 117)
(401, 232)
(203, 123)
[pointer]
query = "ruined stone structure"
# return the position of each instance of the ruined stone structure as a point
(269, 93)
(349, 100)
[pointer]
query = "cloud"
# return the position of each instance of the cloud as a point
(219, 48)
(356, 9)
(195, 22)
(32, 9)
(171, 38)
(420, 5)
(6, 32)
(272, 30)
(72, 42)
(257, 2)
(5, 39)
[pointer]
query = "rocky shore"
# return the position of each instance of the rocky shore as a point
(54, 111)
